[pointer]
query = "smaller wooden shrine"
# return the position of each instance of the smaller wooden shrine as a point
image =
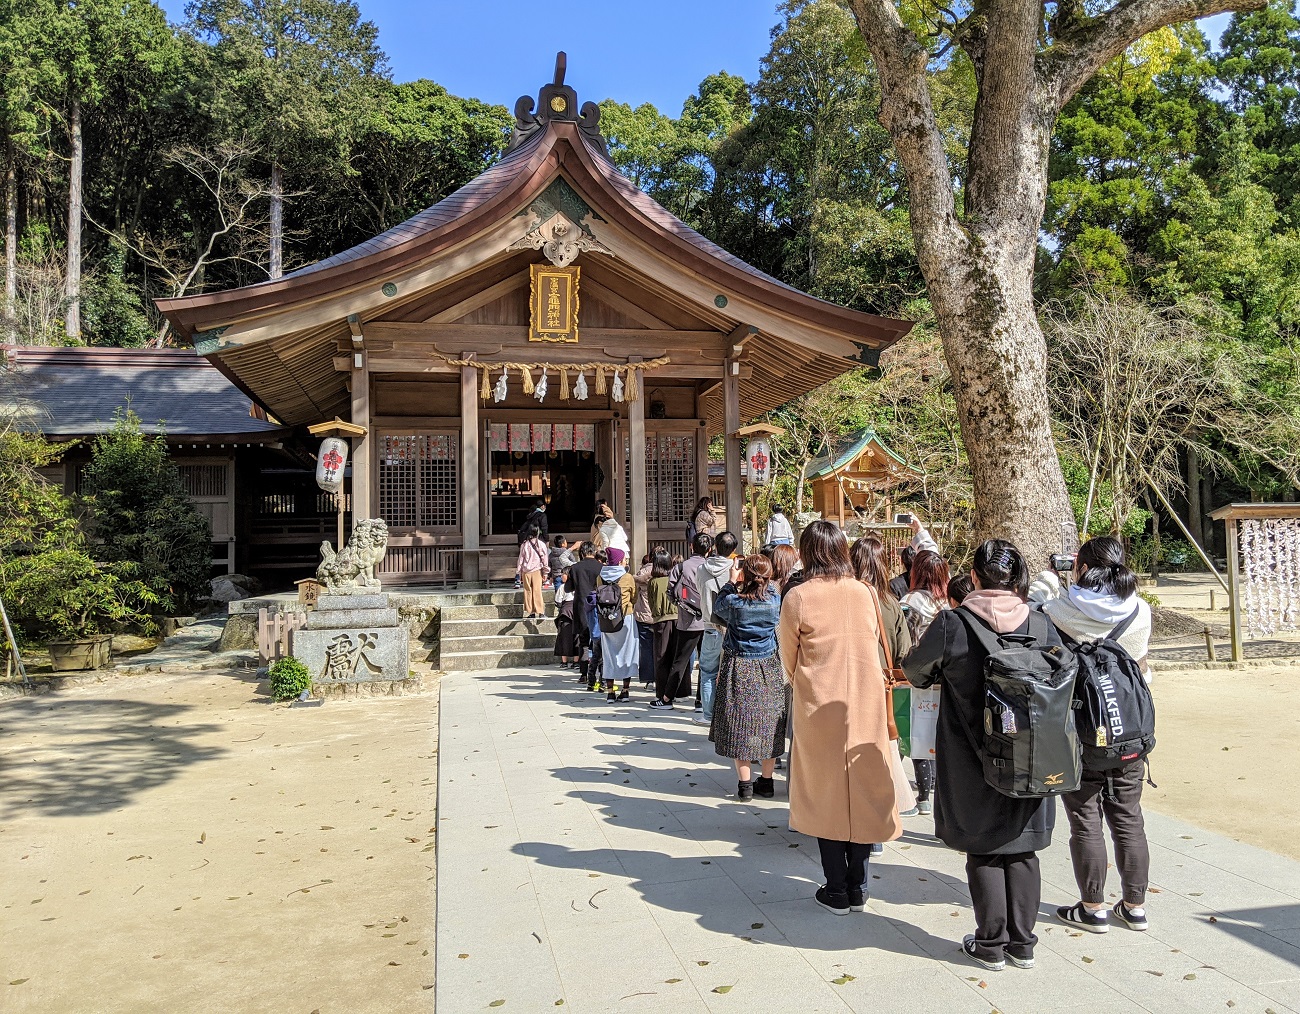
(864, 475)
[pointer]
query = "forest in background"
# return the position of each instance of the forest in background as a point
(262, 136)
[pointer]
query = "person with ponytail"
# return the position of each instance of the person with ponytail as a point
(1001, 836)
(1103, 595)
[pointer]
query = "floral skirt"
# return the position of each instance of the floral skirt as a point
(750, 710)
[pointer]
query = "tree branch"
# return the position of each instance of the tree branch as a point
(907, 112)
(1087, 45)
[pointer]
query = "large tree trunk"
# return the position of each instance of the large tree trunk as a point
(11, 246)
(72, 280)
(277, 220)
(978, 265)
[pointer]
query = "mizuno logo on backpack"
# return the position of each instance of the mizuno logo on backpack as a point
(1116, 714)
(1030, 749)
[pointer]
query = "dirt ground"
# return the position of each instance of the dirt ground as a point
(179, 843)
(1225, 742)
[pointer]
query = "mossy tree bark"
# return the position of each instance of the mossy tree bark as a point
(978, 261)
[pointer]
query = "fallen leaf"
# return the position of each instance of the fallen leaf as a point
(722, 989)
(1155, 973)
(1189, 976)
(1087, 960)
(497, 1003)
(462, 955)
(17, 982)
(672, 981)
(983, 984)
(756, 925)
(395, 964)
(1232, 1003)
(1213, 919)
(701, 963)
(843, 979)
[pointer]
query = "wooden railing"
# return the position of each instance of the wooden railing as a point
(274, 630)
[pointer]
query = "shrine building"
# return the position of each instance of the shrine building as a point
(546, 331)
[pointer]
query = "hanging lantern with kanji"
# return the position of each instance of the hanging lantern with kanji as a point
(330, 463)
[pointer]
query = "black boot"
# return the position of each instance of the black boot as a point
(744, 791)
(764, 787)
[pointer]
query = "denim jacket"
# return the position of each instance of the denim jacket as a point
(751, 623)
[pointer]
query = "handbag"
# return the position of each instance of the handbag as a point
(892, 675)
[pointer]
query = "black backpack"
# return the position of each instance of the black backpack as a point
(1030, 748)
(609, 608)
(1116, 717)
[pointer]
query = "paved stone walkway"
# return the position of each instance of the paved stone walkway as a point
(593, 858)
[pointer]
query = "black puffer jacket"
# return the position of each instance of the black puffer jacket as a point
(969, 814)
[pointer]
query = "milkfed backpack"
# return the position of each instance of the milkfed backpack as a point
(609, 608)
(1030, 746)
(1116, 717)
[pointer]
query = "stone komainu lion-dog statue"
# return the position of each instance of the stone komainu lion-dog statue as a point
(353, 568)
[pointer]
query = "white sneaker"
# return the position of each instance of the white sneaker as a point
(701, 720)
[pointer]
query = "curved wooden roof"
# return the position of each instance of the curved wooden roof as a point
(277, 338)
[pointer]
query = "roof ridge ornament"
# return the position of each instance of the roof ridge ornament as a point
(556, 102)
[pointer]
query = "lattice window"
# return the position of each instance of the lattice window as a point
(676, 479)
(328, 503)
(275, 503)
(669, 478)
(203, 480)
(419, 480)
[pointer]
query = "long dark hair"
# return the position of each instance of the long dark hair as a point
(998, 564)
(755, 577)
(929, 573)
(868, 556)
(1103, 558)
(705, 504)
(825, 551)
(662, 562)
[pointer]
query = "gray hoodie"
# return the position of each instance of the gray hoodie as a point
(712, 575)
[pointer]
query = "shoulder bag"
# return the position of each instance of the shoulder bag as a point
(892, 675)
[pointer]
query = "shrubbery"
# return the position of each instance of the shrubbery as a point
(288, 678)
(140, 512)
(53, 586)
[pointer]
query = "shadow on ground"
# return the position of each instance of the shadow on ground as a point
(94, 755)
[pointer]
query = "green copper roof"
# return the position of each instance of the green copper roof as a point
(819, 467)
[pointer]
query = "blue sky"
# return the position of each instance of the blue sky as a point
(497, 50)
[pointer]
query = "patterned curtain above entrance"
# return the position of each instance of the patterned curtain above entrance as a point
(418, 480)
(670, 479)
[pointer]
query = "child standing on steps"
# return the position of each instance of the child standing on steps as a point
(565, 643)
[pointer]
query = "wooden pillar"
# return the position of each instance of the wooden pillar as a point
(636, 453)
(361, 478)
(734, 495)
(469, 471)
(1234, 589)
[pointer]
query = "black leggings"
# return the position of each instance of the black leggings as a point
(924, 778)
(844, 864)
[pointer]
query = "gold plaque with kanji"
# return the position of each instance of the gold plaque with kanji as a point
(554, 304)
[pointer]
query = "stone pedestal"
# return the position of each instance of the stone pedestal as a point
(353, 645)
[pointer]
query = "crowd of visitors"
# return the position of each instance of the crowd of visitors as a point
(805, 645)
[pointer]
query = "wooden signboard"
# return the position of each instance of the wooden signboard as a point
(553, 306)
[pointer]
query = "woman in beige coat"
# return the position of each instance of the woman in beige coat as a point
(841, 789)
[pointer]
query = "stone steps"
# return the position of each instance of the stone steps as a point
(467, 661)
(500, 610)
(496, 625)
(487, 630)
